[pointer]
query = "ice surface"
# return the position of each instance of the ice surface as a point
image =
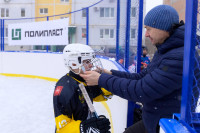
(26, 105)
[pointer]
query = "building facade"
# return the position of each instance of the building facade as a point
(179, 5)
(16, 10)
(50, 8)
(102, 24)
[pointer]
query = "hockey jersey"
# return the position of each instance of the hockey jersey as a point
(70, 107)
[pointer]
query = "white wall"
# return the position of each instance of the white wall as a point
(52, 66)
(37, 64)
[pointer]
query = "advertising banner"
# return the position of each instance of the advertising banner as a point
(54, 32)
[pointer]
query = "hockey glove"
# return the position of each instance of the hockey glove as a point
(95, 125)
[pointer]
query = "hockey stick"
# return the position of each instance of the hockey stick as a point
(88, 100)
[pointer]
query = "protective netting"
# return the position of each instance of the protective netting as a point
(195, 102)
(103, 31)
(133, 36)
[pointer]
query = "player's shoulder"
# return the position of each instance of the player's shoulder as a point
(68, 84)
(65, 90)
(66, 80)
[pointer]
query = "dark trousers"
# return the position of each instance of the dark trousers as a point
(136, 128)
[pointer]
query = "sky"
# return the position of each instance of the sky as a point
(152, 3)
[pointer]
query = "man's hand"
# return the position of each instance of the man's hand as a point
(91, 77)
(101, 70)
(107, 71)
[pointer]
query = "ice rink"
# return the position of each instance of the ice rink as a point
(26, 105)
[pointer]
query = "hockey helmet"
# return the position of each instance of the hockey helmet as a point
(78, 56)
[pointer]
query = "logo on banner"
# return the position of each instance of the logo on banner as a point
(16, 34)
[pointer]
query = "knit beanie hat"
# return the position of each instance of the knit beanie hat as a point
(162, 17)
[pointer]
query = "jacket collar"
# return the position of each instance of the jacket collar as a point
(174, 41)
(76, 76)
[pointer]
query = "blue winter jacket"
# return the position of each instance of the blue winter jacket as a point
(158, 87)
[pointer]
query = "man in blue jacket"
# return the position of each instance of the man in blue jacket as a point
(157, 87)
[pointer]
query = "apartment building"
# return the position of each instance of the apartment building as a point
(179, 5)
(13, 11)
(102, 24)
(50, 8)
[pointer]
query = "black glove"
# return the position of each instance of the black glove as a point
(97, 125)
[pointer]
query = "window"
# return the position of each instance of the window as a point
(111, 33)
(83, 32)
(84, 13)
(22, 12)
(43, 10)
(6, 32)
(106, 33)
(63, 17)
(101, 33)
(133, 11)
(4, 12)
(101, 12)
(132, 33)
(64, 0)
(106, 12)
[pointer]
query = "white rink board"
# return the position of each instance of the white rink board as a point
(52, 66)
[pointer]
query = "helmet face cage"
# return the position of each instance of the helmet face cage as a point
(93, 64)
(84, 63)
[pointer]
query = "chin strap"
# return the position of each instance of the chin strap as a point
(79, 71)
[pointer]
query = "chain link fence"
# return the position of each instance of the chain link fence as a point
(194, 107)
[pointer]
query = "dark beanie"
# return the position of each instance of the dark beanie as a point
(162, 17)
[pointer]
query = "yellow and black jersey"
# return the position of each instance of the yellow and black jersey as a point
(70, 107)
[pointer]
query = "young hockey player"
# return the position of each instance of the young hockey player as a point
(72, 114)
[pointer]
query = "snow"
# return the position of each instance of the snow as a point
(26, 105)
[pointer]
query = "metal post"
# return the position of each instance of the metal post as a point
(47, 47)
(127, 43)
(131, 105)
(139, 43)
(87, 26)
(188, 64)
(117, 30)
(3, 36)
